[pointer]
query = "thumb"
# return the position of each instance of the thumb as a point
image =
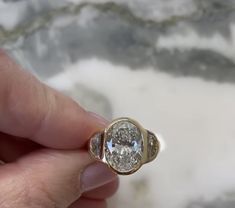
(50, 178)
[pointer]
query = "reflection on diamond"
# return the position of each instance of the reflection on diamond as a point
(123, 144)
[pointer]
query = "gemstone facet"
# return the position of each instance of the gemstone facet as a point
(124, 146)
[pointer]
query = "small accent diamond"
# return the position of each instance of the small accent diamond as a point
(96, 145)
(153, 145)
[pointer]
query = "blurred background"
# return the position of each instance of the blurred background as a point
(170, 64)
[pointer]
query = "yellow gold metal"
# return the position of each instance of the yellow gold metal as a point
(145, 135)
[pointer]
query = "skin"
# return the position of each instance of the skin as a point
(43, 135)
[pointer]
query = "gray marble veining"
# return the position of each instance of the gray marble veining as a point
(113, 32)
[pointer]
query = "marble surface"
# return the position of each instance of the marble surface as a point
(167, 63)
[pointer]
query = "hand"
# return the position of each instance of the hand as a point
(42, 138)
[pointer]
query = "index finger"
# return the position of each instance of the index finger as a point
(30, 109)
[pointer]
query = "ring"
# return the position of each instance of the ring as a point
(124, 145)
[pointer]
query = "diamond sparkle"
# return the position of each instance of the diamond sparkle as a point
(124, 145)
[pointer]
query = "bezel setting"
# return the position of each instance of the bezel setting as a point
(124, 146)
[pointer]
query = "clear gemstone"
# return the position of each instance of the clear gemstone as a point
(153, 146)
(96, 145)
(124, 145)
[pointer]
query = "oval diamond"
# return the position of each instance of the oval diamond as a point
(124, 146)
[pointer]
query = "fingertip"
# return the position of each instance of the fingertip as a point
(98, 117)
(88, 203)
(96, 175)
(95, 123)
(103, 192)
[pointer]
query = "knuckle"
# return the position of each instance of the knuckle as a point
(30, 90)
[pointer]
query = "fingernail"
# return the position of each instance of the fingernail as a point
(98, 117)
(96, 175)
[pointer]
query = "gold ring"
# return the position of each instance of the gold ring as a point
(124, 145)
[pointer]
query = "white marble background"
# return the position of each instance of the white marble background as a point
(167, 63)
